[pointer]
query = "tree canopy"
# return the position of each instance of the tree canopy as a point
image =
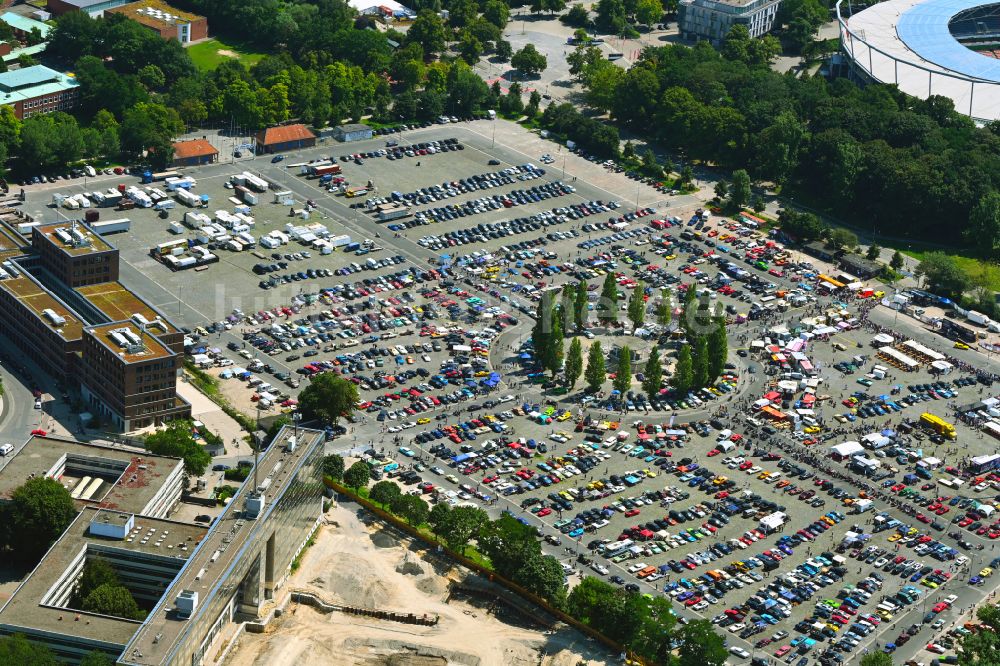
(328, 398)
(38, 513)
(177, 440)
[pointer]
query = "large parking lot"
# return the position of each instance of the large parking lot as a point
(730, 500)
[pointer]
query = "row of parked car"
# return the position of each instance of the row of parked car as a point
(518, 197)
(484, 232)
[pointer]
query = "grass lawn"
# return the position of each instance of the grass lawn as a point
(211, 53)
(971, 266)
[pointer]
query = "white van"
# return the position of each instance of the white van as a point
(6, 449)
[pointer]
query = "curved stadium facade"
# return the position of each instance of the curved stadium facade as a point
(929, 47)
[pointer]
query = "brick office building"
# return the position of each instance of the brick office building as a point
(130, 376)
(75, 254)
(65, 308)
(38, 89)
(166, 21)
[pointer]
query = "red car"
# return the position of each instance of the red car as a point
(632, 512)
(544, 512)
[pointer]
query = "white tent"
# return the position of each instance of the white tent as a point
(846, 449)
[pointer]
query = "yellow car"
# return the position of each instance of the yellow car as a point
(669, 257)
(763, 475)
(986, 572)
(565, 416)
(961, 345)
(811, 429)
(895, 537)
(423, 420)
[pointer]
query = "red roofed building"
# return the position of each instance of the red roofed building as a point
(284, 137)
(194, 152)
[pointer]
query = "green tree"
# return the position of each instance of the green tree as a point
(460, 524)
(328, 397)
(652, 373)
(873, 252)
(17, 649)
(665, 308)
(623, 374)
(574, 362)
(983, 229)
(50, 140)
(648, 12)
(897, 262)
(358, 475)
(701, 645)
(580, 307)
(529, 61)
(683, 376)
(555, 345)
(577, 16)
(595, 374)
(566, 304)
(637, 305)
(721, 189)
(739, 192)
(438, 517)
(152, 77)
(841, 238)
(803, 226)
(718, 349)
(114, 600)
(177, 440)
(384, 492)
(611, 17)
(509, 544)
(96, 658)
(607, 306)
(469, 47)
(504, 51)
(96, 572)
(411, 508)
(333, 467)
(739, 46)
(541, 330)
(700, 362)
(876, 659)
(496, 12)
(428, 30)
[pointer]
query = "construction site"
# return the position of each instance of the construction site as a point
(366, 594)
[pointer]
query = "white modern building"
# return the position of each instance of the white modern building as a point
(712, 19)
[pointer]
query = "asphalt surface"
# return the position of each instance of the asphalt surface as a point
(196, 299)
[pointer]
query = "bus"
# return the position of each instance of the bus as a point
(952, 330)
(836, 284)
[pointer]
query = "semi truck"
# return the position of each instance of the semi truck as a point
(938, 425)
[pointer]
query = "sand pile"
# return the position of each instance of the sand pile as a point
(410, 568)
(351, 581)
(383, 539)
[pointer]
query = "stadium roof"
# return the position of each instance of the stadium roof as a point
(924, 28)
(919, 63)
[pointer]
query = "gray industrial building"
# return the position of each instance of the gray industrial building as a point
(195, 580)
(712, 19)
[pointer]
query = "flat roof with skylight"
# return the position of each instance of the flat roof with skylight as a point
(119, 304)
(73, 238)
(129, 342)
(129, 480)
(39, 603)
(45, 306)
